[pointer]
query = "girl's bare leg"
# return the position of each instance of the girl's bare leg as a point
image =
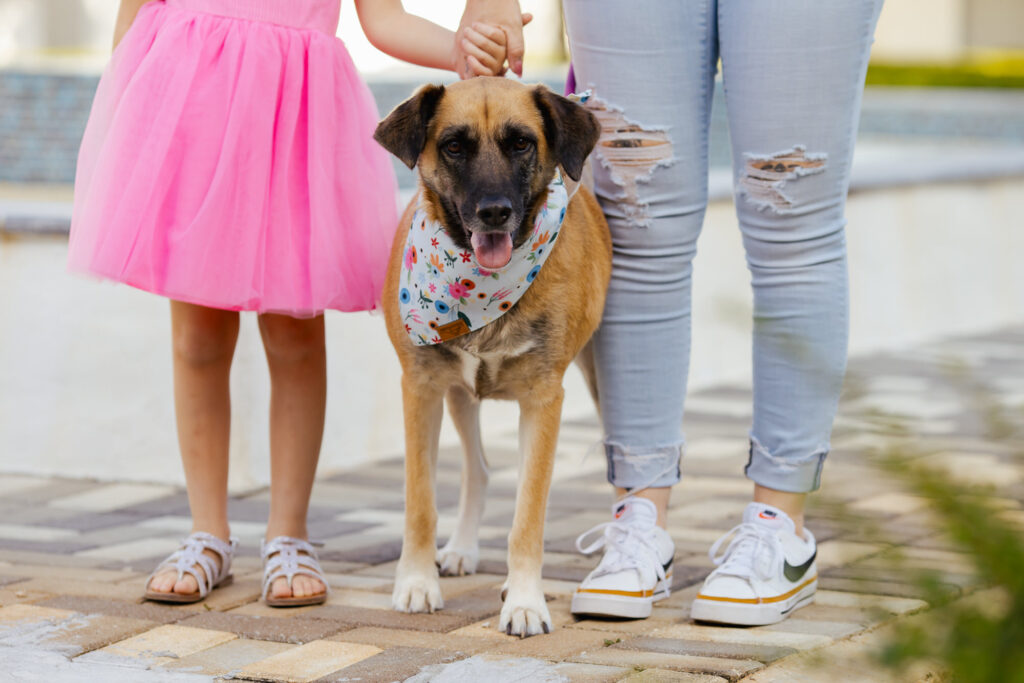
(297, 358)
(203, 342)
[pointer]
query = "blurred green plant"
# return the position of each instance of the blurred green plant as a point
(979, 639)
(991, 71)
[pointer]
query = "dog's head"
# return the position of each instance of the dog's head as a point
(487, 148)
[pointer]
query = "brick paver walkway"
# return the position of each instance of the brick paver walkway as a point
(74, 554)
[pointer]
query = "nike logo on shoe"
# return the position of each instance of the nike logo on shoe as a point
(795, 573)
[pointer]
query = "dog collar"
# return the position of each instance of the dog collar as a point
(444, 293)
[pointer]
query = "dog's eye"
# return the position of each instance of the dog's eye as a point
(453, 148)
(522, 144)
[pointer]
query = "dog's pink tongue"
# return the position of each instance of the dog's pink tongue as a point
(492, 249)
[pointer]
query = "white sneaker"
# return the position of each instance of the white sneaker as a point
(636, 569)
(765, 573)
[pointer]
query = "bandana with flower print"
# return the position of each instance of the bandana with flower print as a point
(444, 293)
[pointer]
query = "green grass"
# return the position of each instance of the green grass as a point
(997, 71)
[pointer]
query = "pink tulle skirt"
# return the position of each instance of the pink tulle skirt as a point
(229, 162)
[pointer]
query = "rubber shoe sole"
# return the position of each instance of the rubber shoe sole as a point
(738, 612)
(623, 604)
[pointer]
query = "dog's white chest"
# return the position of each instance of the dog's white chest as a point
(473, 363)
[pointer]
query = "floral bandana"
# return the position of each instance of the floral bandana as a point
(443, 292)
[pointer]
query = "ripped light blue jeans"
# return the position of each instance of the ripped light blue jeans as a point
(793, 75)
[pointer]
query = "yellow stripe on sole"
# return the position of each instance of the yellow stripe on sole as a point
(759, 601)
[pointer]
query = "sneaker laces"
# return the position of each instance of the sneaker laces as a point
(740, 556)
(627, 547)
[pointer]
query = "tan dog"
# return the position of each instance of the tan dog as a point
(486, 149)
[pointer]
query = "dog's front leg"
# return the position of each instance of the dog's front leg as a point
(462, 551)
(525, 611)
(417, 588)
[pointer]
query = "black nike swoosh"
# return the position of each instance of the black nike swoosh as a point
(668, 564)
(796, 573)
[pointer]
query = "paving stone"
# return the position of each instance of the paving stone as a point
(558, 645)
(38, 571)
(175, 503)
(239, 592)
(32, 613)
(703, 648)
(262, 609)
(832, 629)
(71, 586)
(455, 586)
(308, 662)
(22, 532)
(63, 631)
(730, 669)
(64, 519)
(159, 646)
(298, 630)
(147, 547)
(660, 617)
(12, 596)
(666, 676)
(835, 553)
(890, 503)
(107, 497)
(893, 588)
(749, 636)
(352, 617)
(593, 673)
(49, 547)
(474, 605)
(348, 597)
(896, 574)
(12, 484)
(394, 664)
(369, 551)
(148, 611)
(388, 638)
(229, 657)
(893, 605)
(54, 489)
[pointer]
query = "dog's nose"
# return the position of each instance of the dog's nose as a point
(494, 211)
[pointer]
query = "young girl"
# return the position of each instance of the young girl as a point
(228, 165)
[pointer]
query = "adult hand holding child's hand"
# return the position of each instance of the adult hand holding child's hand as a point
(482, 20)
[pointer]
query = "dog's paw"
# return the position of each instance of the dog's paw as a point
(525, 613)
(417, 591)
(457, 561)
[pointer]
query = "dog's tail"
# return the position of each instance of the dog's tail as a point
(585, 361)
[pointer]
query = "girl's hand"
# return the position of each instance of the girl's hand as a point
(484, 48)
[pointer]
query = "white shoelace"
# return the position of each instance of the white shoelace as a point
(740, 558)
(626, 548)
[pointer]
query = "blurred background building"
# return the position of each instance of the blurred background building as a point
(936, 199)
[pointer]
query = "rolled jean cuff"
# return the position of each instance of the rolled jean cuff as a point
(642, 467)
(794, 475)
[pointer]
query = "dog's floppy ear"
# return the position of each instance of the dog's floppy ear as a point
(404, 131)
(571, 130)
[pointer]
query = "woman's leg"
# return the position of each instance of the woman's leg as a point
(297, 358)
(793, 72)
(203, 341)
(651, 68)
(793, 75)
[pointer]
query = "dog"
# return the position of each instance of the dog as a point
(487, 150)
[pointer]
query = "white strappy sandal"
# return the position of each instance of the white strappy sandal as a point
(287, 563)
(188, 559)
